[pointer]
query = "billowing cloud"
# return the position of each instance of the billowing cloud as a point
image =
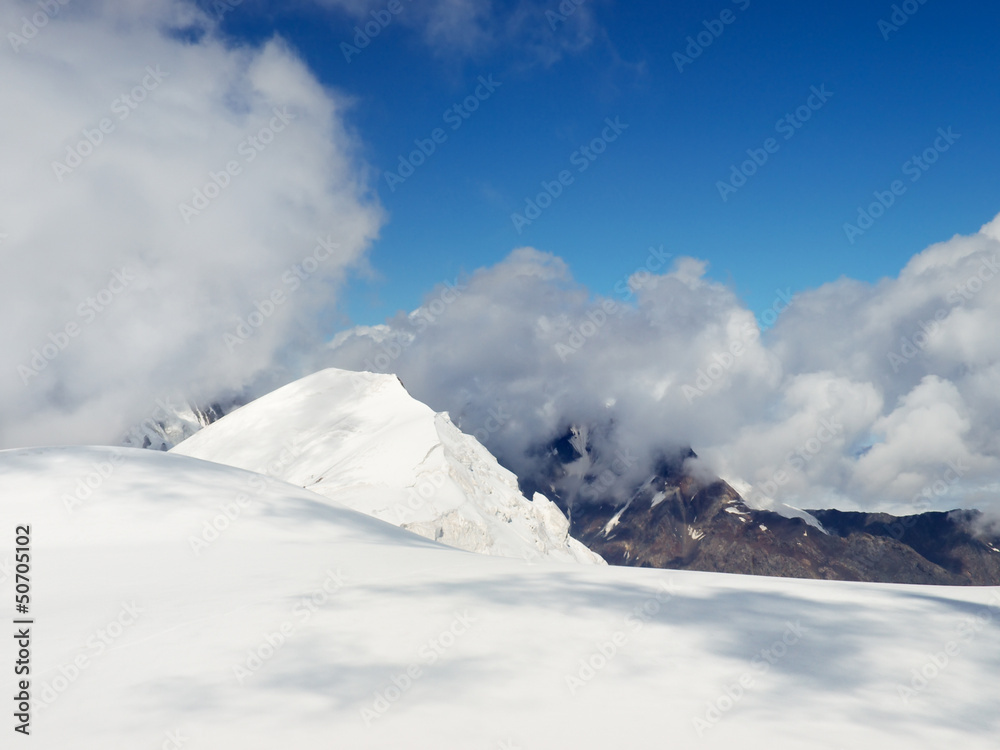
(174, 212)
(876, 396)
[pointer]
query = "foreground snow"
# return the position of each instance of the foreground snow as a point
(361, 439)
(305, 624)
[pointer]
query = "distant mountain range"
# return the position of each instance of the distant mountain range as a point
(674, 521)
(671, 521)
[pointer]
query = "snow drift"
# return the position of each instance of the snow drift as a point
(306, 624)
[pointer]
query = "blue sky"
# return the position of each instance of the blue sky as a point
(783, 122)
(657, 183)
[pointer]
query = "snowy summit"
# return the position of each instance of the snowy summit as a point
(359, 438)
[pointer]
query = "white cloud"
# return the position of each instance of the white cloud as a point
(863, 395)
(191, 104)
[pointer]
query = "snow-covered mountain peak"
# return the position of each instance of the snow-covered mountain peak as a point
(361, 439)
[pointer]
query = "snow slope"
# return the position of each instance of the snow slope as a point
(361, 439)
(306, 624)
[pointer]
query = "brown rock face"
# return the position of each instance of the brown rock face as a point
(675, 522)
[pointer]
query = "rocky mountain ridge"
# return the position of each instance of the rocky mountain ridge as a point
(675, 521)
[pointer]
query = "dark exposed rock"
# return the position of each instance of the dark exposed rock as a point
(673, 521)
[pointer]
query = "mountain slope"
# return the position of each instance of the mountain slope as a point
(362, 440)
(306, 624)
(675, 521)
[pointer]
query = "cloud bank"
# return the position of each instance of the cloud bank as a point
(870, 396)
(174, 213)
